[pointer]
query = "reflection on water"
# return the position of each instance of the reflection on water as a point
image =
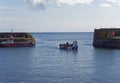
(46, 63)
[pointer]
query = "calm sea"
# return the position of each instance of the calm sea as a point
(45, 63)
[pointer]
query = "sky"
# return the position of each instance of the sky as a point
(58, 15)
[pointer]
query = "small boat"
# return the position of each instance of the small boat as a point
(16, 40)
(68, 46)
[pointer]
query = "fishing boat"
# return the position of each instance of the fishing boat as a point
(16, 39)
(68, 46)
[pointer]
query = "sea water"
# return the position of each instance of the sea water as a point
(46, 63)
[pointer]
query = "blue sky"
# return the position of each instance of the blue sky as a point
(58, 15)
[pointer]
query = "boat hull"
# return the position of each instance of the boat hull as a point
(68, 47)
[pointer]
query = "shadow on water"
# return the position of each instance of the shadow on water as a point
(105, 51)
(105, 65)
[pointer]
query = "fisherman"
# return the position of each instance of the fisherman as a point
(67, 44)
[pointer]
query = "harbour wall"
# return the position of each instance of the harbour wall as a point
(107, 38)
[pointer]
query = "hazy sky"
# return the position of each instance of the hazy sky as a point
(58, 15)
